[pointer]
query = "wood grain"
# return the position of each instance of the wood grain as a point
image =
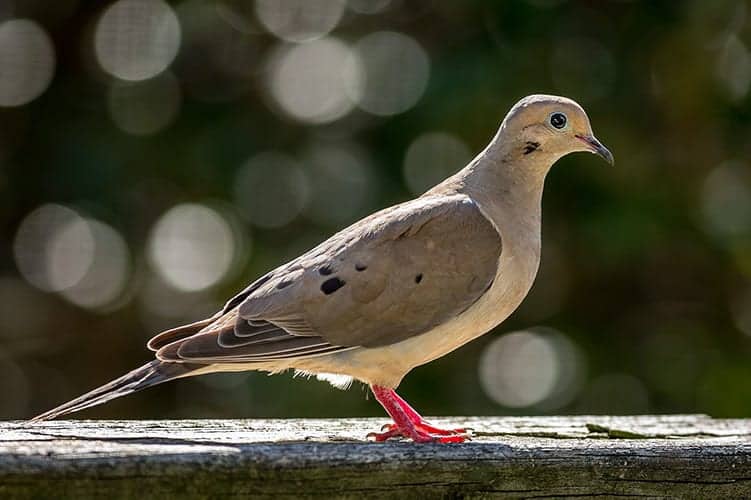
(681, 456)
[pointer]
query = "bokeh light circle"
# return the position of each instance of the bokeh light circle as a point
(192, 247)
(27, 62)
(137, 39)
(313, 82)
(540, 367)
(53, 247)
(86, 261)
(396, 70)
(519, 369)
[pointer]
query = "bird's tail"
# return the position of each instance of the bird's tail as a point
(148, 375)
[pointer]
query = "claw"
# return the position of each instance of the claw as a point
(374, 436)
(379, 437)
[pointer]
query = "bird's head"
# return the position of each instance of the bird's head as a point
(551, 127)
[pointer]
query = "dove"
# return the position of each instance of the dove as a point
(396, 290)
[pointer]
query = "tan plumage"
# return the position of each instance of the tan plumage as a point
(398, 288)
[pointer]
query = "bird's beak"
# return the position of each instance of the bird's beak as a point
(596, 147)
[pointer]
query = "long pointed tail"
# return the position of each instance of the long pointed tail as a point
(148, 375)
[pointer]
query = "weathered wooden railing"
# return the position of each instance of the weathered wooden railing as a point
(668, 456)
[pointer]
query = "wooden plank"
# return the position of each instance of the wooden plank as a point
(654, 456)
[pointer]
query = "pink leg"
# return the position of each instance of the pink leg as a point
(408, 423)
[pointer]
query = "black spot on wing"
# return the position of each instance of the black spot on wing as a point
(283, 284)
(331, 285)
(418, 278)
(237, 299)
(325, 270)
(360, 267)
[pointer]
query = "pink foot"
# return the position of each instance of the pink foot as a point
(409, 424)
(419, 434)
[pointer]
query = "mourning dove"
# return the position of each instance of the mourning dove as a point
(395, 290)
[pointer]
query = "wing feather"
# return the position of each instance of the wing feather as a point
(394, 275)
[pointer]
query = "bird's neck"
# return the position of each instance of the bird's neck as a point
(506, 184)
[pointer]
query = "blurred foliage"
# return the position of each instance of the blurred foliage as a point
(646, 266)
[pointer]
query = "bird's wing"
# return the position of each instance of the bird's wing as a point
(391, 276)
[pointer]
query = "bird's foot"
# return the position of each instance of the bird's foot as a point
(410, 424)
(421, 432)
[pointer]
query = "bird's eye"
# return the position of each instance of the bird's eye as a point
(558, 120)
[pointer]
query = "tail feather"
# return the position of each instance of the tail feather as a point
(148, 375)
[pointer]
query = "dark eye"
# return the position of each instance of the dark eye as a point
(558, 120)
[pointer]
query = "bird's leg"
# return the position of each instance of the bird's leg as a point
(408, 423)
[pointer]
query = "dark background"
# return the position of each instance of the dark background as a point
(154, 159)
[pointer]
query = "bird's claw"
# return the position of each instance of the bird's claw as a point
(421, 433)
(379, 437)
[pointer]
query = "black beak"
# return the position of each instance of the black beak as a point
(597, 148)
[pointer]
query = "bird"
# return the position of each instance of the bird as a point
(395, 290)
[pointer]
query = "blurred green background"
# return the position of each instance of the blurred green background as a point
(156, 157)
